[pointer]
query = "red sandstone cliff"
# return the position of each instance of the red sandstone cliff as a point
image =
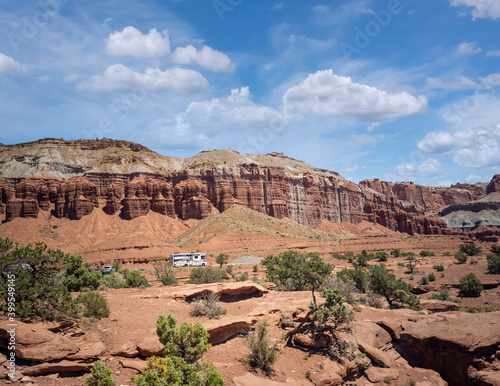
(213, 181)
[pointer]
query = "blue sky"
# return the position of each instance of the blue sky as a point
(398, 90)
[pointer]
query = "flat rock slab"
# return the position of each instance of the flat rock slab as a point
(128, 350)
(191, 291)
(135, 364)
(63, 366)
(435, 305)
(89, 351)
(380, 357)
(224, 329)
(468, 332)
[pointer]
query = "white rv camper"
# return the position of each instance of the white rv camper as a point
(188, 259)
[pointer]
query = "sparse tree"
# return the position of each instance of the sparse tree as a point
(222, 259)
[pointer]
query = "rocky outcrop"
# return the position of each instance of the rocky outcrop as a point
(426, 199)
(136, 202)
(494, 185)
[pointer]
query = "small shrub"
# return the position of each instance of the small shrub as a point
(471, 310)
(229, 269)
(470, 249)
(101, 375)
(412, 263)
(396, 252)
(470, 286)
(493, 263)
(400, 264)
(242, 277)
(387, 380)
(446, 253)
(473, 261)
(461, 257)
(95, 305)
(444, 295)
(431, 277)
(374, 300)
(164, 271)
(346, 288)
(381, 256)
(427, 254)
(255, 268)
(439, 267)
(134, 279)
(203, 275)
(263, 352)
(206, 305)
(424, 280)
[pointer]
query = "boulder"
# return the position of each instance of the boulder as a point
(371, 333)
(34, 343)
(308, 342)
(378, 356)
(128, 350)
(150, 346)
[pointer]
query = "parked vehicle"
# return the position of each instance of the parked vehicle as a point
(188, 259)
(108, 269)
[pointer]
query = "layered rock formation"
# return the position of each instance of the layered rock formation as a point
(196, 187)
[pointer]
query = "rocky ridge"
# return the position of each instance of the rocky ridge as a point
(73, 178)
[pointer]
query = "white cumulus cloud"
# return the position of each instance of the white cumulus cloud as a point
(482, 8)
(430, 167)
(10, 66)
(469, 148)
(468, 48)
(131, 41)
(207, 57)
(118, 77)
(328, 95)
(491, 80)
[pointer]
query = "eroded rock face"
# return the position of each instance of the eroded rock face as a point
(76, 197)
(196, 193)
(30, 196)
